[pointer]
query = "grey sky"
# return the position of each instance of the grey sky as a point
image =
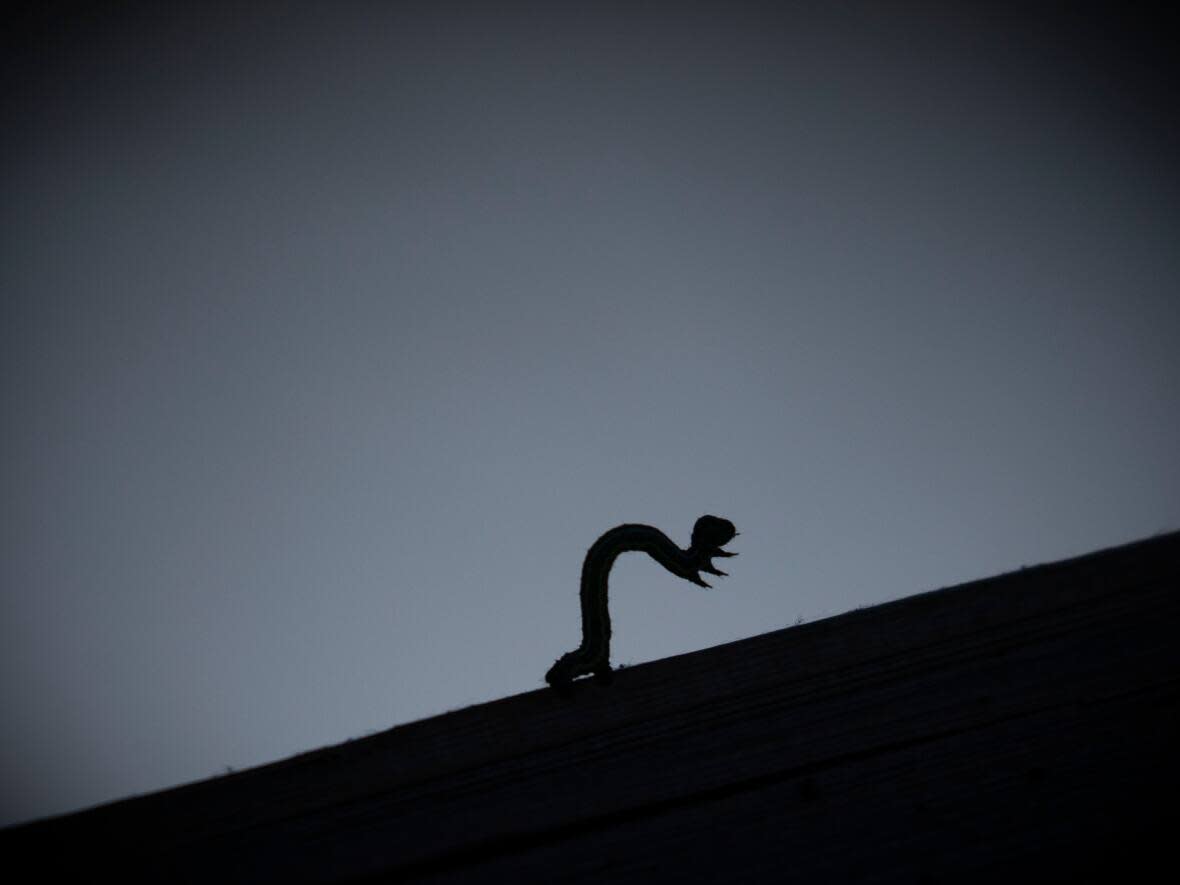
(332, 336)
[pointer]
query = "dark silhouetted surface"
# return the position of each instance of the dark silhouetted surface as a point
(1017, 727)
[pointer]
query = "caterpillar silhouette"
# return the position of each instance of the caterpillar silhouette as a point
(709, 535)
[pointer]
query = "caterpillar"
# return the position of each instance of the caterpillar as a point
(709, 535)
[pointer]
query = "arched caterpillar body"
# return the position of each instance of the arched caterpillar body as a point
(593, 656)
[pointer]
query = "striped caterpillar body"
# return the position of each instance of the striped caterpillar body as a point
(593, 656)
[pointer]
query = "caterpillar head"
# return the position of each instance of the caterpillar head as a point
(709, 535)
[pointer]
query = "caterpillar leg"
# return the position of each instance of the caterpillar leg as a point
(573, 664)
(560, 674)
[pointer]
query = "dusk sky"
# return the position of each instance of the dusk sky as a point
(332, 335)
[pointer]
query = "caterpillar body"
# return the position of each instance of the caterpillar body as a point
(593, 656)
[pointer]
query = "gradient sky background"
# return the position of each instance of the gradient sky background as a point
(333, 335)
